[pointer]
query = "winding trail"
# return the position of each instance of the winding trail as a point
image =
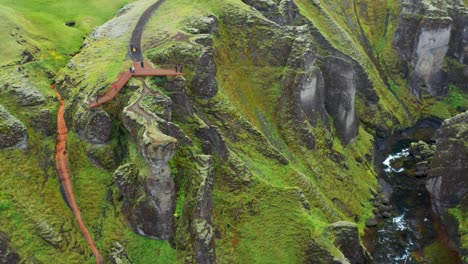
(135, 41)
(61, 161)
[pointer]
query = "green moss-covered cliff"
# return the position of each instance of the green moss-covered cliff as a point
(251, 157)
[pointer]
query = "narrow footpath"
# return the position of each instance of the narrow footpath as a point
(61, 161)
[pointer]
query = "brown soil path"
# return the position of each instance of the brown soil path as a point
(61, 161)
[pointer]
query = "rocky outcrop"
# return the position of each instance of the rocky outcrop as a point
(202, 229)
(283, 12)
(95, 125)
(213, 141)
(21, 87)
(317, 254)
(204, 83)
(119, 255)
(49, 234)
(103, 156)
(425, 32)
(268, 8)
(149, 199)
(7, 253)
(421, 154)
(290, 13)
(448, 182)
(182, 106)
(148, 212)
(347, 241)
(13, 133)
(203, 25)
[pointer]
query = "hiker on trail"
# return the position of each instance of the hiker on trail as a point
(180, 68)
(176, 68)
(132, 69)
(97, 98)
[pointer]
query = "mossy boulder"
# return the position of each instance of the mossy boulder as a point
(119, 255)
(347, 241)
(13, 133)
(49, 234)
(203, 25)
(103, 156)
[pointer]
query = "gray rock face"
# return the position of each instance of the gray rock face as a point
(458, 46)
(149, 200)
(21, 87)
(304, 87)
(146, 214)
(7, 254)
(290, 13)
(316, 254)
(158, 104)
(426, 31)
(204, 83)
(347, 241)
(12, 132)
(284, 12)
(203, 25)
(202, 228)
(95, 125)
(27, 95)
(214, 141)
(182, 105)
(340, 95)
(448, 179)
(268, 8)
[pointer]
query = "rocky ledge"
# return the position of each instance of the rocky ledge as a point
(12, 132)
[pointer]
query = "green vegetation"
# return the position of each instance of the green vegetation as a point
(454, 103)
(39, 27)
(461, 214)
(265, 211)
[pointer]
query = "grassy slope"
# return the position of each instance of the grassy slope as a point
(29, 192)
(254, 91)
(42, 24)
